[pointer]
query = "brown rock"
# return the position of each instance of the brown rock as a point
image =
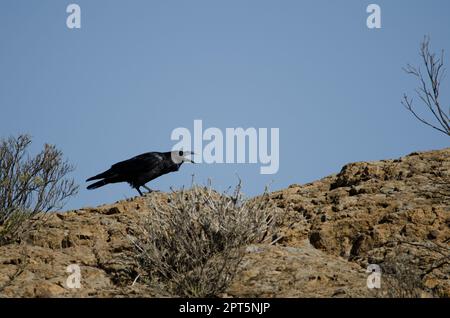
(332, 229)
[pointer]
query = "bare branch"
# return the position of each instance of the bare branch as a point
(429, 89)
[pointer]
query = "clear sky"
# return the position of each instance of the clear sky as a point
(136, 70)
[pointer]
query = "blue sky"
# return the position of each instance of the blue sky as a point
(136, 70)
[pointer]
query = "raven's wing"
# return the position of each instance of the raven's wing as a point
(132, 167)
(137, 164)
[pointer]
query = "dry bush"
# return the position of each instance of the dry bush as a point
(193, 243)
(401, 277)
(30, 185)
(405, 268)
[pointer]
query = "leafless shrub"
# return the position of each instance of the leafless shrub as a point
(401, 278)
(406, 267)
(30, 185)
(429, 88)
(193, 243)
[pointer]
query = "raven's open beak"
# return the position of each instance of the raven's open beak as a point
(189, 153)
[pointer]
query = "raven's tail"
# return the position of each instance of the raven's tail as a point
(99, 176)
(97, 184)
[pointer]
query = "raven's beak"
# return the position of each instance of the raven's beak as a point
(189, 153)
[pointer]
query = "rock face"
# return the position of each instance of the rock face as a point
(333, 228)
(95, 239)
(302, 271)
(362, 213)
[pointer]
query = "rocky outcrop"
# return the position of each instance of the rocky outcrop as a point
(302, 271)
(365, 212)
(332, 229)
(95, 239)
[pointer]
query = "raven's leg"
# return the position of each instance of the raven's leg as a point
(147, 188)
(137, 188)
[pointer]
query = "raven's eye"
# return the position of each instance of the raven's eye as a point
(180, 153)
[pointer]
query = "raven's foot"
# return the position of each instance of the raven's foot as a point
(149, 190)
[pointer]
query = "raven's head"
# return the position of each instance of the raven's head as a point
(179, 156)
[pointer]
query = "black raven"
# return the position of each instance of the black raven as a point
(141, 169)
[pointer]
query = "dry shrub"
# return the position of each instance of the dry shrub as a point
(401, 277)
(193, 243)
(30, 185)
(407, 266)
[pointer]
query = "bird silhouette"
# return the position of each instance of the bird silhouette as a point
(141, 169)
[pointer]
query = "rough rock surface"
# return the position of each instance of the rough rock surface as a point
(360, 213)
(303, 271)
(333, 228)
